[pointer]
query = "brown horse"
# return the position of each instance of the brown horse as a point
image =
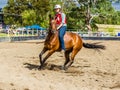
(73, 44)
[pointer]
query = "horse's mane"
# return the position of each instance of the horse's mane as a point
(51, 33)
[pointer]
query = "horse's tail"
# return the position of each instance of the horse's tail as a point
(93, 46)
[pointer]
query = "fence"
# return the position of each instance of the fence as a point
(26, 32)
(17, 35)
(95, 34)
(99, 34)
(14, 32)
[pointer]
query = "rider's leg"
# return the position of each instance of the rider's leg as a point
(62, 32)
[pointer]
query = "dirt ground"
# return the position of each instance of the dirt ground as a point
(92, 69)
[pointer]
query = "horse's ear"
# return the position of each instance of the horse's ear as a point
(50, 16)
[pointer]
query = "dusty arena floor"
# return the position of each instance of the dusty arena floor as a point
(92, 70)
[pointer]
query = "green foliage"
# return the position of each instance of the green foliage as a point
(75, 18)
(28, 17)
(90, 12)
(27, 12)
(111, 31)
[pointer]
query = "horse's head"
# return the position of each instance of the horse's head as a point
(52, 30)
(53, 25)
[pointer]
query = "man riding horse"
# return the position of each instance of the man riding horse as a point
(61, 24)
(70, 43)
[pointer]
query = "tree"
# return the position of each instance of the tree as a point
(29, 17)
(90, 12)
(80, 13)
(40, 8)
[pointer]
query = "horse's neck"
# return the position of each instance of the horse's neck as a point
(52, 36)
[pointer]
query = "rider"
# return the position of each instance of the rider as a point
(61, 24)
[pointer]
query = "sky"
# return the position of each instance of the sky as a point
(4, 2)
(116, 6)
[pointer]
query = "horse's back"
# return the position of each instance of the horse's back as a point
(73, 40)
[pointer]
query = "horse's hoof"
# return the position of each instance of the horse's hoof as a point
(63, 68)
(63, 71)
(39, 68)
(51, 67)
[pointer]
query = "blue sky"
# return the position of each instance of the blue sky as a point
(4, 2)
(116, 6)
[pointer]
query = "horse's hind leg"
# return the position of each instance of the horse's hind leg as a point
(74, 52)
(67, 59)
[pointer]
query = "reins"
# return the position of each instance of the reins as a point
(54, 31)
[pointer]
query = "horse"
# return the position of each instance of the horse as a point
(73, 44)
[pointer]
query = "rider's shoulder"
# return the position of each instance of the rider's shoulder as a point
(62, 13)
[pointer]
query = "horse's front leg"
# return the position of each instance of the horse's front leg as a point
(50, 52)
(40, 57)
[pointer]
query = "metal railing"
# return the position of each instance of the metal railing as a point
(95, 34)
(17, 33)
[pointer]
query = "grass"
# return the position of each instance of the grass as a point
(3, 35)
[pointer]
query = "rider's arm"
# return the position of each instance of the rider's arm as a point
(63, 19)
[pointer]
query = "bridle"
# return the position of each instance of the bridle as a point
(53, 30)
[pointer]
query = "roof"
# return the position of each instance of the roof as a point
(37, 27)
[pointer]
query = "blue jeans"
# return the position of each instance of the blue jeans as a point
(62, 32)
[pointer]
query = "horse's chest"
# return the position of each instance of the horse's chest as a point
(51, 45)
(52, 42)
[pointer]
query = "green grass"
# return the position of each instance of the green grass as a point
(3, 34)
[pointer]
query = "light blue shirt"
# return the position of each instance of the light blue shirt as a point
(63, 19)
